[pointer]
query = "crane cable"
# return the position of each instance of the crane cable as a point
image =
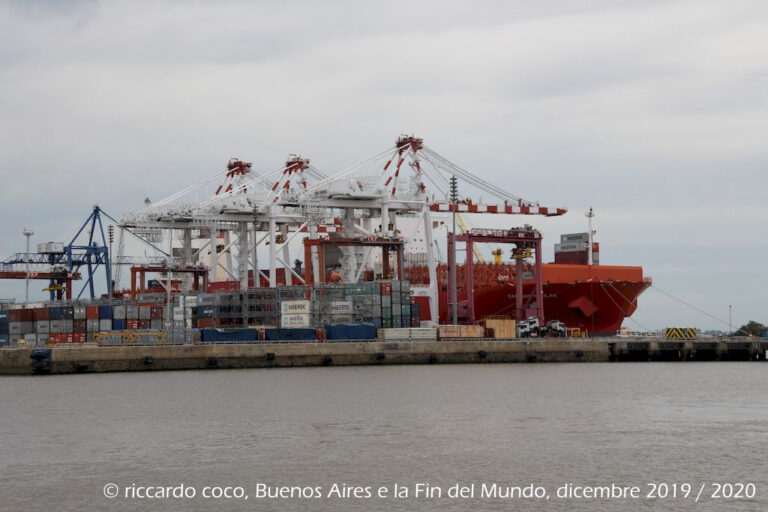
(627, 300)
(681, 301)
(602, 285)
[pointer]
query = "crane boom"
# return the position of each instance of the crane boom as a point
(464, 229)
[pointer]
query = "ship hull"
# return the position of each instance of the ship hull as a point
(596, 299)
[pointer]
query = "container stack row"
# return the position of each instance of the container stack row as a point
(339, 310)
(75, 323)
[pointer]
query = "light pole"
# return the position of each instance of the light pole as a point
(111, 235)
(454, 292)
(170, 322)
(590, 215)
(27, 233)
(730, 319)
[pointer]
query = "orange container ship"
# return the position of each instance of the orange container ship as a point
(593, 298)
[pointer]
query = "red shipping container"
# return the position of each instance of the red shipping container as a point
(386, 289)
(223, 286)
(156, 313)
(79, 326)
(92, 312)
(41, 314)
(204, 323)
(79, 337)
(144, 324)
(132, 324)
(60, 337)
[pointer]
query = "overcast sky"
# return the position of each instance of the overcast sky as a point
(654, 113)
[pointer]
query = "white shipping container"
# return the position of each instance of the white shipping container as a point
(105, 324)
(337, 319)
(50, 247)
(295, 320)
(571, 247)
(408, 334)
(574, 237)
(292, 307)
(339, 307)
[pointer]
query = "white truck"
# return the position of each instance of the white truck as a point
(554, 329)
(530, 328)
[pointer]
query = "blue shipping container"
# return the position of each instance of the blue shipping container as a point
(3, 325)
(289, 334)
(4, 340)
(205, 311)
(350, 331)
(118, 325)
(54, 313)
(228, 336)
(105, 312)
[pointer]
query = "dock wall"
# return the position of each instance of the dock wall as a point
(85, 358)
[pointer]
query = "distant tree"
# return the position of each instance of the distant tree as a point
(751, 327)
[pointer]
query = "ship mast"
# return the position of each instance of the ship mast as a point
(589, 215)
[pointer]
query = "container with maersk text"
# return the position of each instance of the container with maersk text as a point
(295, 320)
(293, 307)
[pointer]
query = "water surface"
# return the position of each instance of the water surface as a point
(62, 438)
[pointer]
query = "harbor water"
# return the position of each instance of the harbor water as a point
(64, 438)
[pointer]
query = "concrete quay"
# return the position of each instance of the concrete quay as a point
(92, 358)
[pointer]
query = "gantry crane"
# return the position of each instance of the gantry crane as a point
(475, 249)
(358, 204)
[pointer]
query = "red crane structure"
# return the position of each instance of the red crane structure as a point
(60, 280)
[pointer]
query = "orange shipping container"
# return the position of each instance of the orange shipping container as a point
(472, 331)
(448, 331)
(503, 328)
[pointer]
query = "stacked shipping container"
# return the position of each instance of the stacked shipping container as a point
(380, 304)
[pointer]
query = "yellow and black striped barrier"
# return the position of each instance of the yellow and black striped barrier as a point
(680, 333)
